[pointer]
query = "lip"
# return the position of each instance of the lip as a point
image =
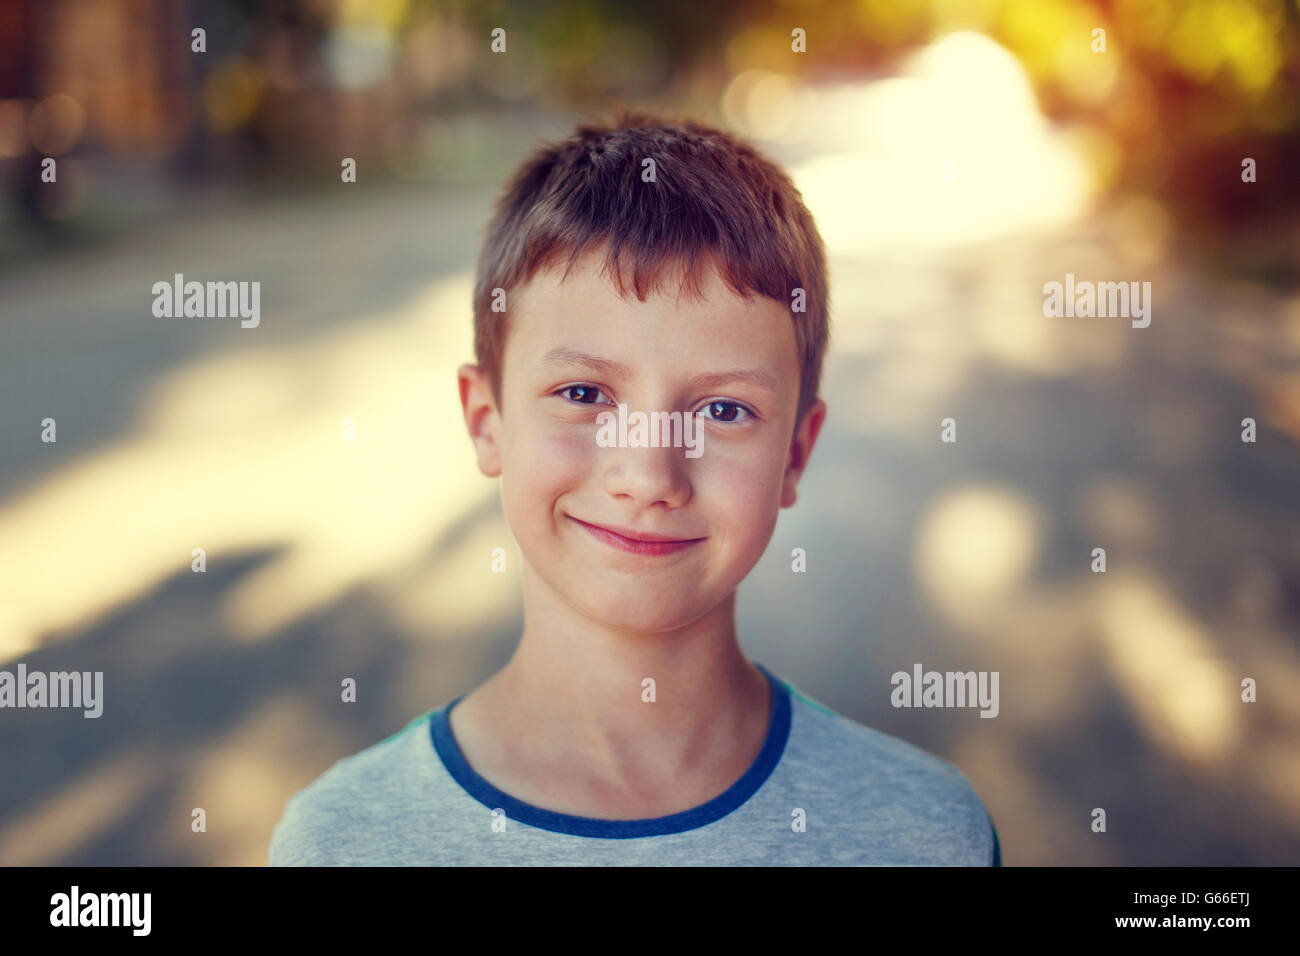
(637, 542)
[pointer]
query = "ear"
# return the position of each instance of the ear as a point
(481, 418)
(801, 446)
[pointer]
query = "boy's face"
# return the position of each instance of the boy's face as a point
(556, 480)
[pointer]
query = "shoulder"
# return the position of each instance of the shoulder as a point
(357, 795)
(910, 797)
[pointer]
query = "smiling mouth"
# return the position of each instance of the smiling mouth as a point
(644, 543)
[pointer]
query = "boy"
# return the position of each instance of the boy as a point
(628, 727)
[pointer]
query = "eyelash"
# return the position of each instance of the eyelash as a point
(744, 408)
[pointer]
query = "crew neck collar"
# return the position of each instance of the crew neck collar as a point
(778, 732)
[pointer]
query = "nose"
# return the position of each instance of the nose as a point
(647, 475)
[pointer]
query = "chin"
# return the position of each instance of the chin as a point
(639, 611)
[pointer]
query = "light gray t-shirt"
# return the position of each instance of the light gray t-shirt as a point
(824, 790)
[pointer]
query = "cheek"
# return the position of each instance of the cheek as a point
(544, 461)
(744, 489)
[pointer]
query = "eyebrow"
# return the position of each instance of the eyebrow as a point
(758, 377)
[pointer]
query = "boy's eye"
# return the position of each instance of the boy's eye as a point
(721, 411)
(587, 394)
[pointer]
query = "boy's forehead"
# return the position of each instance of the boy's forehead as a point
(711, 316)
(673, 333)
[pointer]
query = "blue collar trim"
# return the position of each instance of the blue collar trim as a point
(778, 732)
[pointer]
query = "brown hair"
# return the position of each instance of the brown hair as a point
(716, 200)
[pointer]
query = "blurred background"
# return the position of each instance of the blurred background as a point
(957, 155)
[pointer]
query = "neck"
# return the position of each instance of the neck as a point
(580, 690)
